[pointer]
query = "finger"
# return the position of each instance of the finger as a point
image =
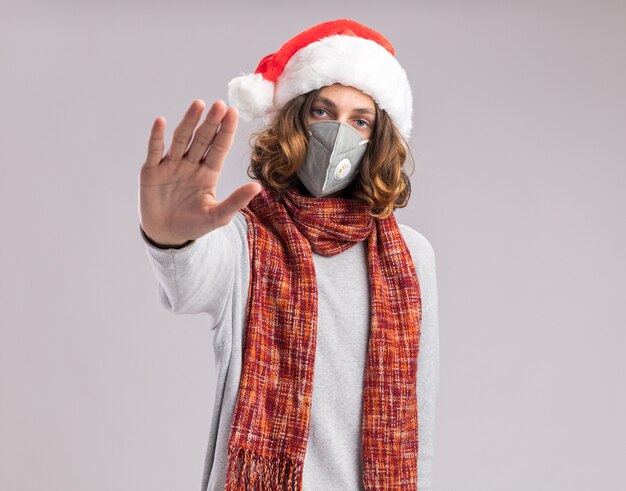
(206, 132)
(156, 143)
(184, 130)
(239, 198)
(223, 140)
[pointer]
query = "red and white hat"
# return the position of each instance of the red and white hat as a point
(339, 51)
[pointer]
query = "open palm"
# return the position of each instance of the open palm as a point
(178, 191)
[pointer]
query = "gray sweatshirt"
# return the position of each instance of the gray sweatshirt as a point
(211, 275)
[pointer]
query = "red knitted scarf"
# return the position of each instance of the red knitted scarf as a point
(270, 425)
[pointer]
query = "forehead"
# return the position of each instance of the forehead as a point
(346, 94)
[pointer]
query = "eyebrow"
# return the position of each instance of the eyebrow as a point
(332, 105)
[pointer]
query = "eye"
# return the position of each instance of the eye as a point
(362, 125)
(318, 109)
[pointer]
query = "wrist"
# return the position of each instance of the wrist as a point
(161, 245)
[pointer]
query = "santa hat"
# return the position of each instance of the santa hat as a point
(339, 51)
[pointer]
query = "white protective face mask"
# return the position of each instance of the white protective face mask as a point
(333, 158)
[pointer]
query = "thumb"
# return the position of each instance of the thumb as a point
(238, 199)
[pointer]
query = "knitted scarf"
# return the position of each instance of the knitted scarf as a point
(270, 424)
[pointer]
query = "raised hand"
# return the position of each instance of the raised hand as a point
(178, 191)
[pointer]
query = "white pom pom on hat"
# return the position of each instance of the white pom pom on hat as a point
(340, 51)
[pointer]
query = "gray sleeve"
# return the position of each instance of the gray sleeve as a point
(199, 276)
(428, 359)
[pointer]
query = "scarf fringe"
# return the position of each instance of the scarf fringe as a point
(249, 471)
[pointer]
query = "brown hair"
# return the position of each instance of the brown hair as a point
(280, 147)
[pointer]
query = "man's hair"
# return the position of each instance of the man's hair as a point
(280, 148)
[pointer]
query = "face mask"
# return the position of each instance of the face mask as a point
(333, 158)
